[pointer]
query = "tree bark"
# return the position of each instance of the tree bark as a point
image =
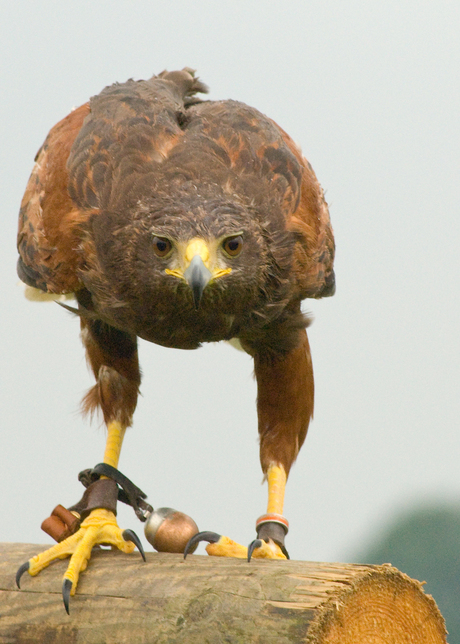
(209, 600)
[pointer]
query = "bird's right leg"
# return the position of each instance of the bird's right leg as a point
(285, 405)
(112, 356)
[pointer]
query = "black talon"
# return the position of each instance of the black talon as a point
(130, 535)
(257, 543)
(66, 588)
(210, 537)
(21, 570)
(284, 551)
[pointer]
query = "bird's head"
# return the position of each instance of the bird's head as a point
(193, 267)
(212, 257)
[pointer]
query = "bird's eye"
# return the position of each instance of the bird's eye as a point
(161, 246)
(233, 245)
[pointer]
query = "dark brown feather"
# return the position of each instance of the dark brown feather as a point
(283, 425)
(48, 235)
(112, 356)
(149, 158)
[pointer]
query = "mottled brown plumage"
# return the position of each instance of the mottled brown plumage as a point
(147, 160)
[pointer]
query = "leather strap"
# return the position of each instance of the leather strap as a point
(127, 492)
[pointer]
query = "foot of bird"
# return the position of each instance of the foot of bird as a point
(221, 546)
(100, 527)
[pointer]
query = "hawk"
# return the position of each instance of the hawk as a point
(180, 221)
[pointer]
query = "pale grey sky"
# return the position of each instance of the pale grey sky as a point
(371, 92)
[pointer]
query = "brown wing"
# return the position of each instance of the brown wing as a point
(315, 248)
(88, 160)
(47, 220)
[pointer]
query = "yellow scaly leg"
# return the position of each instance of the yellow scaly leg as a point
(100, 527)
(276, 477)
(115, 435)
(225, 547)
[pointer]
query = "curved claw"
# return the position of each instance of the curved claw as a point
(285, 552)
(66, 588)
(130, 535)
(21, 570)
(210, 537)
(257, 543)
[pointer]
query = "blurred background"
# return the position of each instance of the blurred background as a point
(371, 92)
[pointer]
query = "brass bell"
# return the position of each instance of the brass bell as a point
(169, 530)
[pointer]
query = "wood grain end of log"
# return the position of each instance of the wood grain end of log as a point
(384, 606)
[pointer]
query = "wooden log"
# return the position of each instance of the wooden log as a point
(211, 600)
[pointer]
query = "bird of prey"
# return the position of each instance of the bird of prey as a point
(180, 221)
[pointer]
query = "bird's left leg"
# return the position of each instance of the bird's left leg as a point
(285, 393)
(112, 355)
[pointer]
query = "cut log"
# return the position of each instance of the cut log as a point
(211, 600)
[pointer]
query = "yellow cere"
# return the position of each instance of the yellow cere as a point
(208, 254)
(197, 247)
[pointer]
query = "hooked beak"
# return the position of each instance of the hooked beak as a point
(197, 276)
(198, 266)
